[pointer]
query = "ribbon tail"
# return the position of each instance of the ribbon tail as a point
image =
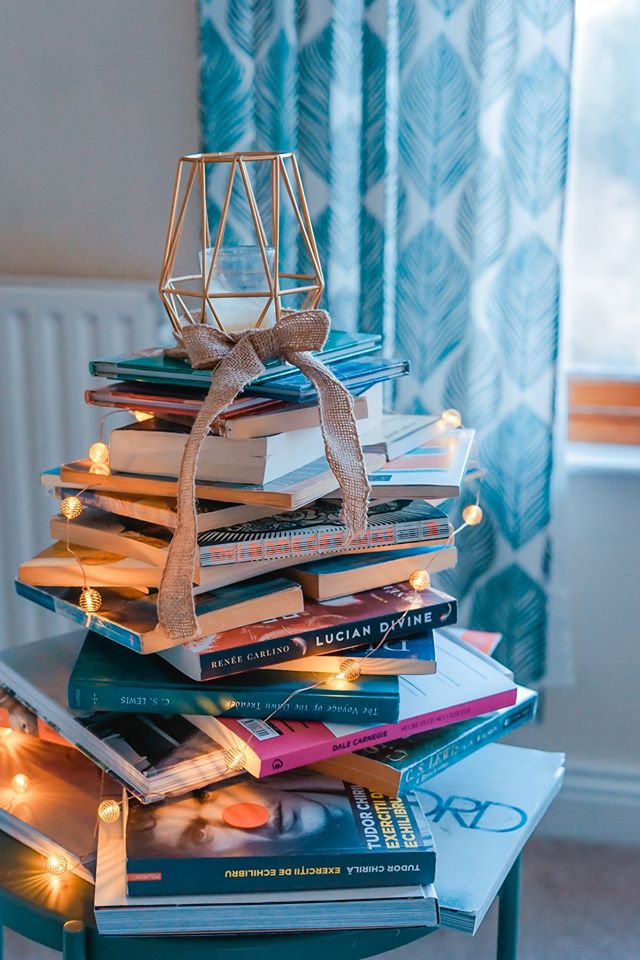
(341, 442)
(176, 608)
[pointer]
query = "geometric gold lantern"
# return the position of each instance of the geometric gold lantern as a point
(242, 286)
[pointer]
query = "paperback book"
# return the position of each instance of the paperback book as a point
(398, 433)
(360, 373)
(131, 618)
(152, 755)
(466, 684)
(57, 566)
(295, 832)
(436, 469)
(109, 677)
(396, 768)
(328, 627)
(407, 656)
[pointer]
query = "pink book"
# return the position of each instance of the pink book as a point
(467, 683)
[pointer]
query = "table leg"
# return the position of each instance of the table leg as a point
(74, 940)
(508, 915)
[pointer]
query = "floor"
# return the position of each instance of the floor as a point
(579, 902)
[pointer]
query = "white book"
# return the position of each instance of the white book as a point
(398, 433)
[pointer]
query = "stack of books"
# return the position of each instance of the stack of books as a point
(326, 818)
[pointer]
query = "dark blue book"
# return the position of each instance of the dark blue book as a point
(356, 374)
(116, 680)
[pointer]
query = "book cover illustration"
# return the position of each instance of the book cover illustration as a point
(294, 832)
(328, 626)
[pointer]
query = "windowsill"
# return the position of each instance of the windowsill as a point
(599, 458)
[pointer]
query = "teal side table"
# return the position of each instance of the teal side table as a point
(63, 920)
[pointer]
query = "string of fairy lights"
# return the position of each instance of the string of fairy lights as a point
(349, 671)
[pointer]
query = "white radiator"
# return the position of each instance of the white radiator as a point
(49, 331)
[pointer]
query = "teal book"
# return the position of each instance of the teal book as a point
(481, 813)
(153, 366)
(110, 678)
(291, 832)
(396, 768)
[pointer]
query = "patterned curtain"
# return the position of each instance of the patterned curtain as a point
(433, 141)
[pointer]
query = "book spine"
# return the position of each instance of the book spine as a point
(426, 767)
(320, 704)
(91, 621)
(150, 877)
(312, 642)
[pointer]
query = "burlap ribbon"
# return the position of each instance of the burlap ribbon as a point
(238, 359)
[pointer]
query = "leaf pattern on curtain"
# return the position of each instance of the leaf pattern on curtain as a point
(433, 143)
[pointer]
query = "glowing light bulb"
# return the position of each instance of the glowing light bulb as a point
(90, 600)
(350, 670)
(20, 783)
(420, 580)
(5, 732)
(99, 452)
(109, 811)
(234, 759)
(56, 864)
(452, 418)
(140, 415)
(71, 507)
(472, 514)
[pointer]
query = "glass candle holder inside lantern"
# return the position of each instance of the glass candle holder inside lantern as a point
(239, 285)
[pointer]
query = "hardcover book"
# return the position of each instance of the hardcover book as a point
(407, 656)
(152, 755)
(396, 768)
(152, 366)
(330, 627)
(433, 470)
(355, 374)
(365, 908)
(108, 677)
(466, 684)
(295, 832)
(131, 618)
(58, 813)
(482, 812)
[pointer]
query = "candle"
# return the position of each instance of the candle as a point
(239, 270)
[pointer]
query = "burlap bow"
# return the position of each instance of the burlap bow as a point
(239, 358)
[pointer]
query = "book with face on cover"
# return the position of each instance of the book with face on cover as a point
(298, 831)
(153, 756)
(131, 618)
(56, 815)
(366, 908)
(332, 626)
(482, 812)
(465, 685)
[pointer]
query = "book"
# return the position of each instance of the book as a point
(329, 627)
(371, 908)
(319, 529)
(154, 448)
(482, 812)
(55, 566)
(466, 684)
(484, 640)
(131, 618)
(244, 418)
(294, 832)
(360, 373)
(57, 814)
(398, 433)
(152, 755)
(110, 678)
(328, 578)
(396, 768)
(407, 656)
(435, 469)
(153, 366)
(290, 492)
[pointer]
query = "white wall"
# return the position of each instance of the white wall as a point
(99, 99)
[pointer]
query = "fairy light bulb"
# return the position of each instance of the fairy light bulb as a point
(5, 732)
(71, 507)
(56, 864)
(141, 415)
(350, 670)
(452, 418)
(420, 580)
(90, 600)
(472, 514)
(109, 811)
(20, 783)
(234, 759)
(99, 452)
